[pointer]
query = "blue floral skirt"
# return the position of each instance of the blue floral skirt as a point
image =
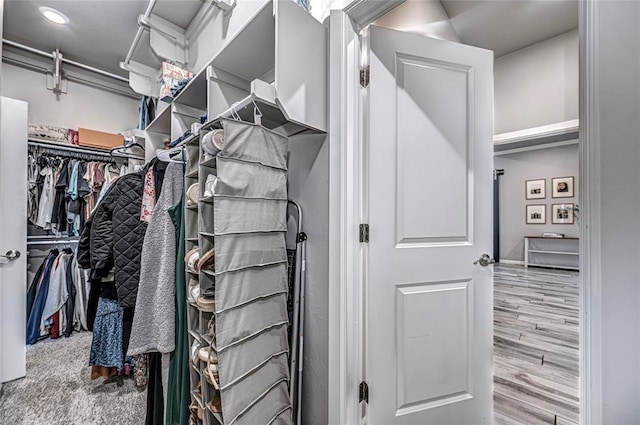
(106, 346)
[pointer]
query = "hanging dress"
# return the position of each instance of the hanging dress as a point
(178, 395)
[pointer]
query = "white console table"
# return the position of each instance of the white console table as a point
(560, 253)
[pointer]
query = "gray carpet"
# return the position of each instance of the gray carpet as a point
(58, 389)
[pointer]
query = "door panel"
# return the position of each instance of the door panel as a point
(13, 235)
(429, 136)
(429, 308)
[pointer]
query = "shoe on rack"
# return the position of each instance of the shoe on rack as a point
(193, 419)
(207, 304)
(206, 355)
(207, 262)
(195, 348)
(192, 195)
(194, 290)
(211, 326)
(211, 375)
(215, 405)
(209, 186)
(191, 259)
(196, 411)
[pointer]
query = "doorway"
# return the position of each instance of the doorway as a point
(406, 18)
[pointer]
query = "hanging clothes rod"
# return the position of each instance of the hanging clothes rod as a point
(65, 60)
(48, 237)
(69, 148)
(52, 146)
(53, 242)
(138, 36)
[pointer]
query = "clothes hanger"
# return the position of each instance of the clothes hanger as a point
(167, 155)
(257, 114)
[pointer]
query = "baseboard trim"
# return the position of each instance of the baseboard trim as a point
(514, 262)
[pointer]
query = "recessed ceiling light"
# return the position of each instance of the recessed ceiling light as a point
(54, 16)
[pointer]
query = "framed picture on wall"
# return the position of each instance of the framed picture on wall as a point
(536, 189)
(536, 214)
(562, 213)
(562, 187)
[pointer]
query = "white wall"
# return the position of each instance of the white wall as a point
(618, 147)
(309, 185)
(82, 106)
(532, 165)
(537, 85)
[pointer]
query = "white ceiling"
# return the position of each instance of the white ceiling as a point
(508, 25)
(99, 32)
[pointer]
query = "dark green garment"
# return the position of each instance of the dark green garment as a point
(178, 396)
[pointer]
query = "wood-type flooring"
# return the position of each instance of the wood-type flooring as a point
(536, 351)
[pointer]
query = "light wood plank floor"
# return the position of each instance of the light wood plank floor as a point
(535, 369)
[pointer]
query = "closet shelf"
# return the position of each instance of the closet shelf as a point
(209, 234)
(192, 272)
(195, 92)
(539, 251)
(273, 117)
(192, 207)
(193, 174)
(250, 54)
(209, 273)
(207, 338)
(210, 162)
(162, 122)
(197, 397)
(208, 199)
(192, 239)
(194, 334)
(194, 139)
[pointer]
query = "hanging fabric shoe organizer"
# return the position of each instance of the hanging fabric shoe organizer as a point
(250, 205)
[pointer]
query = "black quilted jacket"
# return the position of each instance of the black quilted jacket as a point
(116, 236)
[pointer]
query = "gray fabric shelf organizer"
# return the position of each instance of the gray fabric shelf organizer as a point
(250, 205)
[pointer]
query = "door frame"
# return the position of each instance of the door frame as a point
(347, 268)
(590, 236)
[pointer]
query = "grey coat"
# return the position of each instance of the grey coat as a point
(154, 318)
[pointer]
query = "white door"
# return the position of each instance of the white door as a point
(13, 236)
(429, 308)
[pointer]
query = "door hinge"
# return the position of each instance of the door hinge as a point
(364, 233)
(363, 392)
(364, 77)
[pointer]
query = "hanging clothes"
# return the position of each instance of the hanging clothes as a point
(146, 112)
(45, 204)
(70, 304)
(57, 294)
(59, 210)
(33, 195)
(178, 394)
(117, 235)
(106, 345)
(79, 279)
(42, 288)
(154, 319)
(37, 279)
